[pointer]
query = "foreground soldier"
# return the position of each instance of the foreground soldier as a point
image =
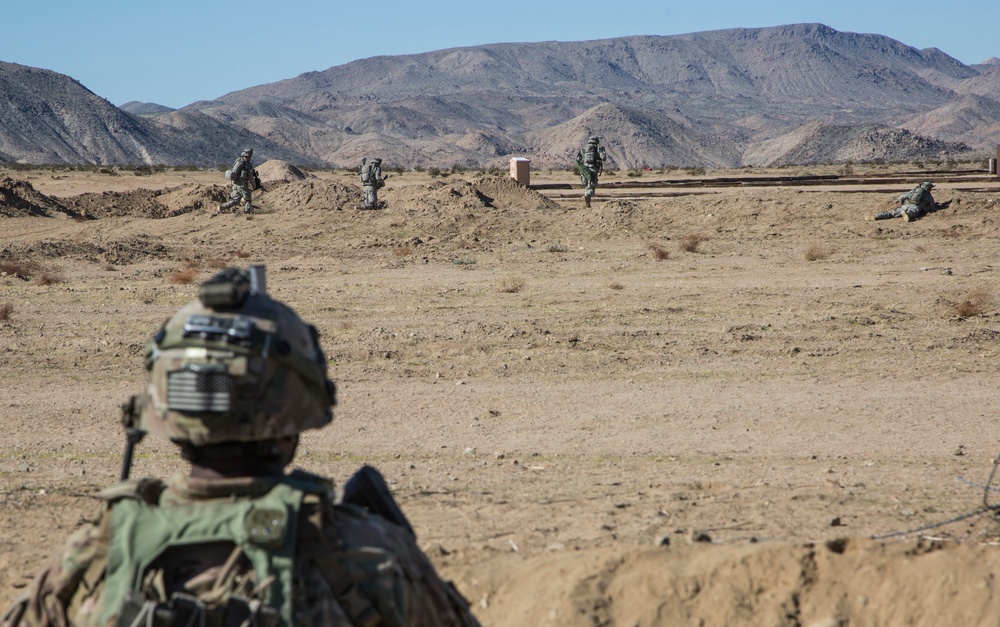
(914, 204)
(372, 181)
(235, 376)
(590, 163)
(244, 178)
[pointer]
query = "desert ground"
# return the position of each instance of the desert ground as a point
(722, 401)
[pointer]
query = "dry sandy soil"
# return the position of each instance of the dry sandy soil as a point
(671, 408)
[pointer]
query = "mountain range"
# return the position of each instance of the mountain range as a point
(796, 94)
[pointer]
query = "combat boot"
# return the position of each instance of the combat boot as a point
(586, 201)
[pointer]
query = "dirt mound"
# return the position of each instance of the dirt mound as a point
(840, 582)
(188, 198)
(505, 192)
(119, 251)
(276, 170)
(313, 194)
(19, 199)
(134, 203)
(144, 203)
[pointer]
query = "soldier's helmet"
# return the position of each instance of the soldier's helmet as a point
(927, 185)
(377, 161)
(593, 140)
(235, 365)
(247, 152)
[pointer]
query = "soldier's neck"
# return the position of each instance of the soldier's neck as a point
(228, 469)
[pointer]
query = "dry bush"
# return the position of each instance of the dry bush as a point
(557, 248)
(975, 304)
(402, 251)
(241, 254)
(690, 243)
(615, 285)
(510, 286)
(23, 269)
(109, 267)
(659, 251)
(217, 263)
(184, 276)
(49, 278)
(5, 310)
(815, 253)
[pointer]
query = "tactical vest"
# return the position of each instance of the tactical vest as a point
(264, 528)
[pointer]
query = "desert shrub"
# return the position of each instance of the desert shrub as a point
(108, 171)
(615, 285)
(815, 253)
(690, 243)
(974, 304)
(402, 251)
(557, 248)
(241, 254)
(659, 252)
(49, 278)
(184, 276)
(696, 171)
(23, 269)
(5, 310)
(633, 173)
(434, 172)
(510, 286)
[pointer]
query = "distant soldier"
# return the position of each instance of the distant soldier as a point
(372, 181)
(244, 179)
(590, 164)
(912, 205)
(234, 377)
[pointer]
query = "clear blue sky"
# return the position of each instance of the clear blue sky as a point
(176, 52)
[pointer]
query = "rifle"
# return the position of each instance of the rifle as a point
(133, 435)
(368, 490)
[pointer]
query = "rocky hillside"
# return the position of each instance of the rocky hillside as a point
(728, 97)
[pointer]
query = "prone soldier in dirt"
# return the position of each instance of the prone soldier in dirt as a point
(244, 179)
(234, 377)
(914, 204)
(372, 180)
(590, 164)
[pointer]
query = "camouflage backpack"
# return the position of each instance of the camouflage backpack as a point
(150, 547)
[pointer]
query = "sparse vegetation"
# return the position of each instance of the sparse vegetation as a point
(402, 251)
(15, 267)
(186, 275)
(816, 253)
(49, 278)
(557, 248)
(6, 309)
(659, 252)
(691, 243)
(974, 304)
(510, 286)
(615, 285)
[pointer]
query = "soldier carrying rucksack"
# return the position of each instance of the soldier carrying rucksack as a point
(234, 377)
(372, 180)
(590, 164)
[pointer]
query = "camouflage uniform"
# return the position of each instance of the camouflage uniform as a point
(372, 181)
(232, 372)
(349, 567)
(244, 178)
(590, 164)
(913, 204)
